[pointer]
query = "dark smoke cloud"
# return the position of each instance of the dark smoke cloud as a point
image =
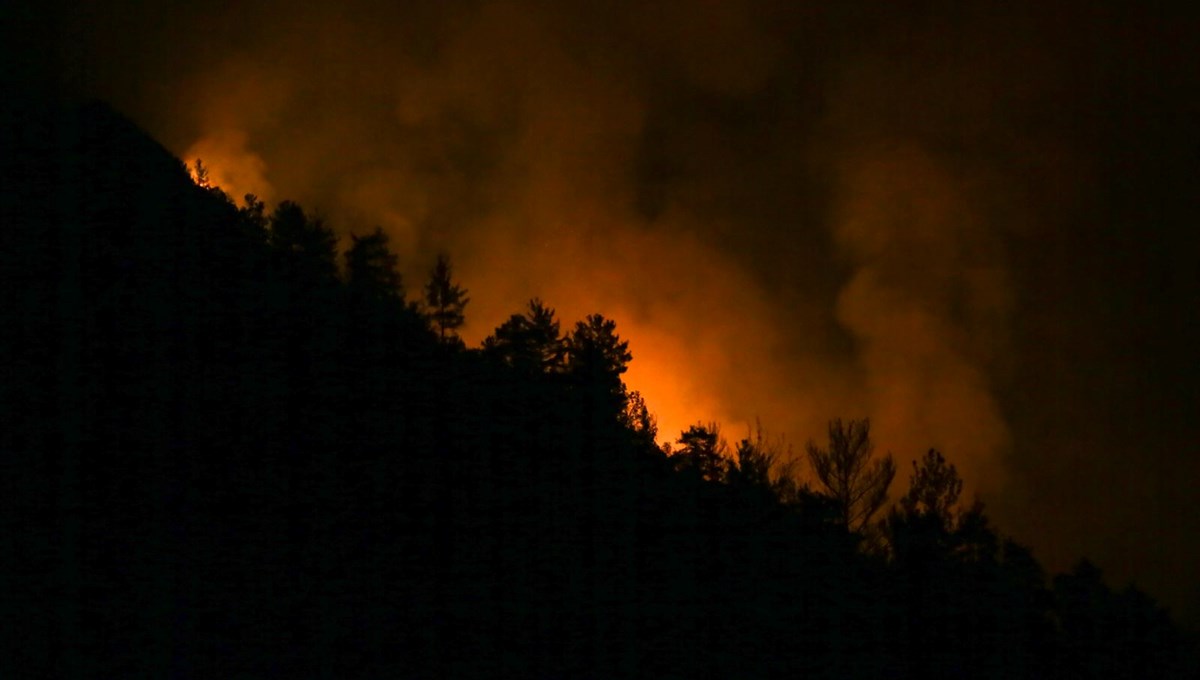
(971, 222)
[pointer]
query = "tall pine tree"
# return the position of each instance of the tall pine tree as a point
(445, 300)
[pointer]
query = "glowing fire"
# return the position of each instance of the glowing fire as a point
(229, 165)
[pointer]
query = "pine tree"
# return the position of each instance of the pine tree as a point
(641, 421)
(445, 300)
(596, 359)
(307, 246)
(765, 464)
(371, 268)
(848, 474)
(200, 175)
(702, 449)
(253, 216)
(530, 342)
(933, 491)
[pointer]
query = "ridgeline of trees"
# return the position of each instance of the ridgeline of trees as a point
(230, 451)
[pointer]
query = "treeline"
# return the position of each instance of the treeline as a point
(231, 451)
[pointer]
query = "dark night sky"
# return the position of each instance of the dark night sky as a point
(974, 222)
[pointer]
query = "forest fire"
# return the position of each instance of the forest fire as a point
(230, 166)
(972, 228)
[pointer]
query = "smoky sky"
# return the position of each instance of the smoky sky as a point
(973, 222)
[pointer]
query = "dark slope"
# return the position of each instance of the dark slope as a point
(219, 460)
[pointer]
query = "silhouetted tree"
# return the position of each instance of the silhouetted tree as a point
(371, 268)
(927, 522)
(640, 420)
(445, 300)
(702, 450)
(206, 448)
(939, 553)
(933, 491)
(974, 537)
(200, 175)
(847, 472)
(769, 465)
(253, 216)
(309, 247)
(529, 341)
(596, 359)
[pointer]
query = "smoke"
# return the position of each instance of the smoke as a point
(231, 165)
(794, 212)
(647, 163)
(928, 303)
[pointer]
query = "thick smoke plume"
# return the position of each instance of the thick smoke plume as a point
(793, 211)
(528, 149)
(928, 303)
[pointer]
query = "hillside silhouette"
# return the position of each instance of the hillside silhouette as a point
(230, 450)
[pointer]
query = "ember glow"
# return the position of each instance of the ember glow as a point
(230, 165)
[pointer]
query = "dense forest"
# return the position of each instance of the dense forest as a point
(230, 451)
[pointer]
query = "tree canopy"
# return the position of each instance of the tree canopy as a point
(702, 451)
(849, 473)
(372, 269)
(530, 341)
(445, 300)
(225, 458)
